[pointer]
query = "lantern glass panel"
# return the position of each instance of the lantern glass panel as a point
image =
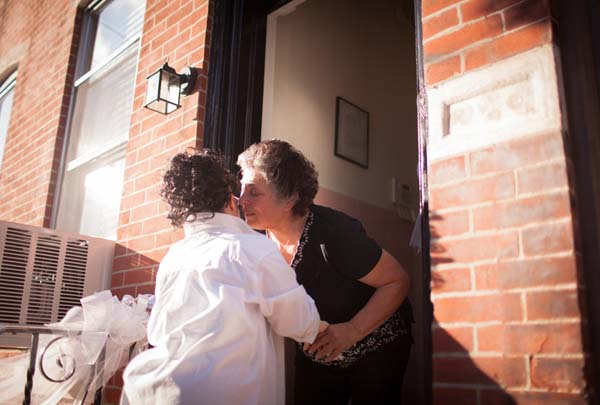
(169, 88)
(152, 89)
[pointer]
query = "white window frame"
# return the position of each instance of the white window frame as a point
(7, 85)
(84, 74)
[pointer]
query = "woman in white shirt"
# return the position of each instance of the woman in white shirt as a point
(224, 299)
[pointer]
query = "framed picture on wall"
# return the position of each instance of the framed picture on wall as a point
(351, 133)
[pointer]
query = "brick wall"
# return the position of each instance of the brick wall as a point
(462, 35)
(39, 39)
(508, 325)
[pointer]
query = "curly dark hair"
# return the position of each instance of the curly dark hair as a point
(286, 167)
(196, 181)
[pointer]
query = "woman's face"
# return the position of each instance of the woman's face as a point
(263, 209)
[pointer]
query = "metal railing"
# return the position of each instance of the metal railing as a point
(35, 332)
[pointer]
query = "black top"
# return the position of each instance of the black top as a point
(333, 253)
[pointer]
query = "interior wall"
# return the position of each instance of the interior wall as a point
(363, 52)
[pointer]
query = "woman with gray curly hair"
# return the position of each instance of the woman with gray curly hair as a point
(359, 288)
(224, 297)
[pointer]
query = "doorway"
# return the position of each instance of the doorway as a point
(281, 69)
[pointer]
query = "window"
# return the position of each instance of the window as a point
(95, 160)
(6, 99)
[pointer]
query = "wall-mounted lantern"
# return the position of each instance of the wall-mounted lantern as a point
(165, 87)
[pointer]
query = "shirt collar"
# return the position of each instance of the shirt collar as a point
(206, 221)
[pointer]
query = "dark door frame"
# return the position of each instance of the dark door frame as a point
(579, 41)
(234, 110)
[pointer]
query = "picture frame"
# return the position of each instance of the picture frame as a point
(351, 133)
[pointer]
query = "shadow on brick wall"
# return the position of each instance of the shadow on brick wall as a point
(459, 378)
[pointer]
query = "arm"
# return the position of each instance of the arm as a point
(391, 283)
(288, 308)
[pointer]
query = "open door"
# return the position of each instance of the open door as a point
(312, 71)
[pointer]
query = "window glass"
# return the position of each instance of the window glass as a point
(6, 99)
(103, 108)
(117, 23)
(91, 197)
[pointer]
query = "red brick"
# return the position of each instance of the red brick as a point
(486, 277)
(536, 272)
(552, 338)
(452, 395)
(156, 224)
(156, 254)
(152, 149)
(470, 192)
(510, 44)
(133, 200)
(135, 170)
(463, 37)
(525, 13)
(138, 276)
(443, 171)
(186, 136)
(517, 153)
(167, 238)
(440, 22)
(116, 280)
(452, 280)
(141, 244)
(557, 374)
(148, 180)
(552, 304)
(483, 308)
(541, 398)
(473, 249)
(490, 338)
(129, 231)
(522, 212)
(505, 371)
(544, 239)
(452, 340)
(448, 223)
(436, 72)
(431, 6)
(142, 212)
(475, 9)
(547, 177)
(125, 262)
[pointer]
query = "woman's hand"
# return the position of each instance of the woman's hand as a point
(323, 325)
(334, 340)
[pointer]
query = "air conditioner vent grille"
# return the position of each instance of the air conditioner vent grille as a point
(43, 280)
(13, 273)
(73, 281)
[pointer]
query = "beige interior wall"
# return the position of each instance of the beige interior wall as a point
(363, 52)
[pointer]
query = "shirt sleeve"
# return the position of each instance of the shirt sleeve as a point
(290, 311)
(348, 247)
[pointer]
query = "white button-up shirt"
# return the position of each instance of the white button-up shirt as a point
(224, 298)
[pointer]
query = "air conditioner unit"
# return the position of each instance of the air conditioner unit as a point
(45, 272)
